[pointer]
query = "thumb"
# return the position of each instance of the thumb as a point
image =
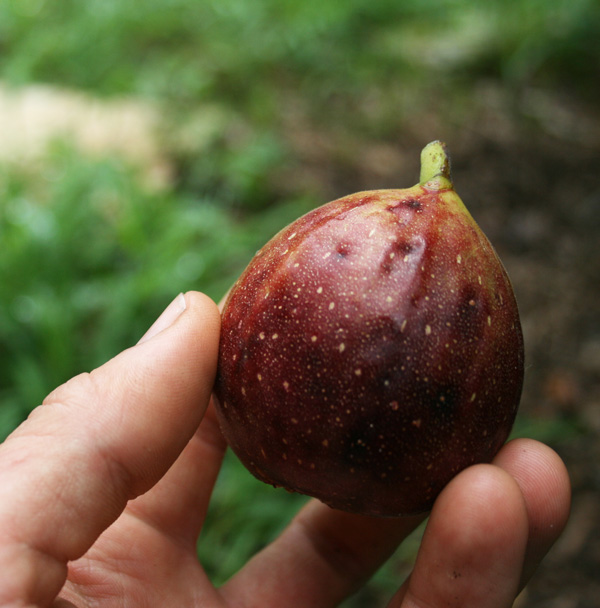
(99, 440)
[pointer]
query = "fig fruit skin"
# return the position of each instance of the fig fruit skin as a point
(372, 350)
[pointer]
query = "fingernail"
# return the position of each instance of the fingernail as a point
(166, 319)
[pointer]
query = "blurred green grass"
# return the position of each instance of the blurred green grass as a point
(184, 50)
(90, 254)
(88, 259)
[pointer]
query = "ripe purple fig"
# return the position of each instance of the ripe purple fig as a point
(372, 349)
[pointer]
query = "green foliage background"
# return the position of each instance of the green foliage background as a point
(89, 254)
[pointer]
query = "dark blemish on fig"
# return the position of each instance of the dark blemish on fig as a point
(469, 301)
(343, 250)
(414, 247)
(398, 251)
(386, 265)
(406, 248)
(412, 204)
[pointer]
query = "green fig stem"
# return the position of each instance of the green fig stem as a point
(435, 167)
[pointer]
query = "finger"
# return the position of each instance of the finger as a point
(99, 440)
(191, 480)
(545, 485)
(177, 504)
(473, 546)
(321, 558)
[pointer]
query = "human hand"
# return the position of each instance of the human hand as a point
(104, 490)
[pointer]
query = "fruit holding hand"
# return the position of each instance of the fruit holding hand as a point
(372, 349)
(105, 488)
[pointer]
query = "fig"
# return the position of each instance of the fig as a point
(372, 349)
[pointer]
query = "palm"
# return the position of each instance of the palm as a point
(137, 561)
(149, 554)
